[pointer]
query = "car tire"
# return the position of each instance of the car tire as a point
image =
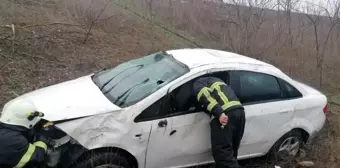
(287, 147)
(103, 160)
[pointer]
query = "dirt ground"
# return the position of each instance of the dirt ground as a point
(42, 43)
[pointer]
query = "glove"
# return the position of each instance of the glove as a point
(47, 126)
(48, 141)
(46, 130)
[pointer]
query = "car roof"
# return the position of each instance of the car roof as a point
(197, 57)
(194, 58)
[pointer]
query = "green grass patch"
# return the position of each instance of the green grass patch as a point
(335, 99)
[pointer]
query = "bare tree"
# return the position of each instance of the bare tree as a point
(170, 10)
(150, 5)
(243, 23)
(288, 6)
(90, 15)
(321, 45)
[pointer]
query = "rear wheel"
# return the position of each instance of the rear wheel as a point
(287, 147)
(103, 160)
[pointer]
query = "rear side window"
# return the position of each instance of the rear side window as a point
(255, 87)
(289, 91)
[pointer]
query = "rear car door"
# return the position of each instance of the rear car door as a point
(267, 110)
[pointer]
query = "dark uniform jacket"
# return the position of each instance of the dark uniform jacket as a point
(216, 96)
(16, 149)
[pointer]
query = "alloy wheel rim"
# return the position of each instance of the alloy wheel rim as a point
(289, 147)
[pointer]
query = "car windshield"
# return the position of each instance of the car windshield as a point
(132, 81)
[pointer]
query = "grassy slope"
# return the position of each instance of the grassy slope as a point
(47, 54)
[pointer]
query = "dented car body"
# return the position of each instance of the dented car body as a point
(133, 109)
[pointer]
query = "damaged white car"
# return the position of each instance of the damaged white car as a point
(140, 114)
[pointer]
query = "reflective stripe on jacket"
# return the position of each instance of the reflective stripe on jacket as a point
(215, 95)
(16, 151)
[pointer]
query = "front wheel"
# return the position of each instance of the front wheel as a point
(287, 146)
(103, 160)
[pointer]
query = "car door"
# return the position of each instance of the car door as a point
(180, 135)
(177, 139)
(184, 141)
(266, 111)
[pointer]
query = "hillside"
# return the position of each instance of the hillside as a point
(47, 45)
(43, 42)
(297, 43)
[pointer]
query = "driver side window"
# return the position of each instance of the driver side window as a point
(178, 102)
(182, 101)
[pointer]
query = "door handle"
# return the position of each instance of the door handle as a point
(172, 132)
(163, 123)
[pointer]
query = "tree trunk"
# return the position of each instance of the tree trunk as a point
(170, 11)
(321, 76)
(152, 25)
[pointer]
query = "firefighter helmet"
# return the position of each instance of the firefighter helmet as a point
(20, 113)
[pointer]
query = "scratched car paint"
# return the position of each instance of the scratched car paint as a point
(100, 111)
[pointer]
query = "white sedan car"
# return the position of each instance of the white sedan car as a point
(142, 113)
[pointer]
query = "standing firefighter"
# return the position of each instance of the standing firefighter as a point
(227, 125)
(19, 147)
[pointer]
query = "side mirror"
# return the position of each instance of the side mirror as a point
(163, 123)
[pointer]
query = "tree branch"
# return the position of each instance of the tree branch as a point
(40, 25)
(95, 20)
(316, 36)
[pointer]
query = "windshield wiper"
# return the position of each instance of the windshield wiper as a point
(129, 91)
(115, 85)
(106, 83)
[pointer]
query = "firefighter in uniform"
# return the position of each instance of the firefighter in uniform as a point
(19, 147)
(227, 124)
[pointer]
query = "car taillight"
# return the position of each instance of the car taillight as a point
(325, 109)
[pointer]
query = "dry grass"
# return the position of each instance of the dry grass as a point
(46, 53)
(325, 149)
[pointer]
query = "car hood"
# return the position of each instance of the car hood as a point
(71, 99)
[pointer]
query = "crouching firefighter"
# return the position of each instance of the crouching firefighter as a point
(227, 124)
(19, 145)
